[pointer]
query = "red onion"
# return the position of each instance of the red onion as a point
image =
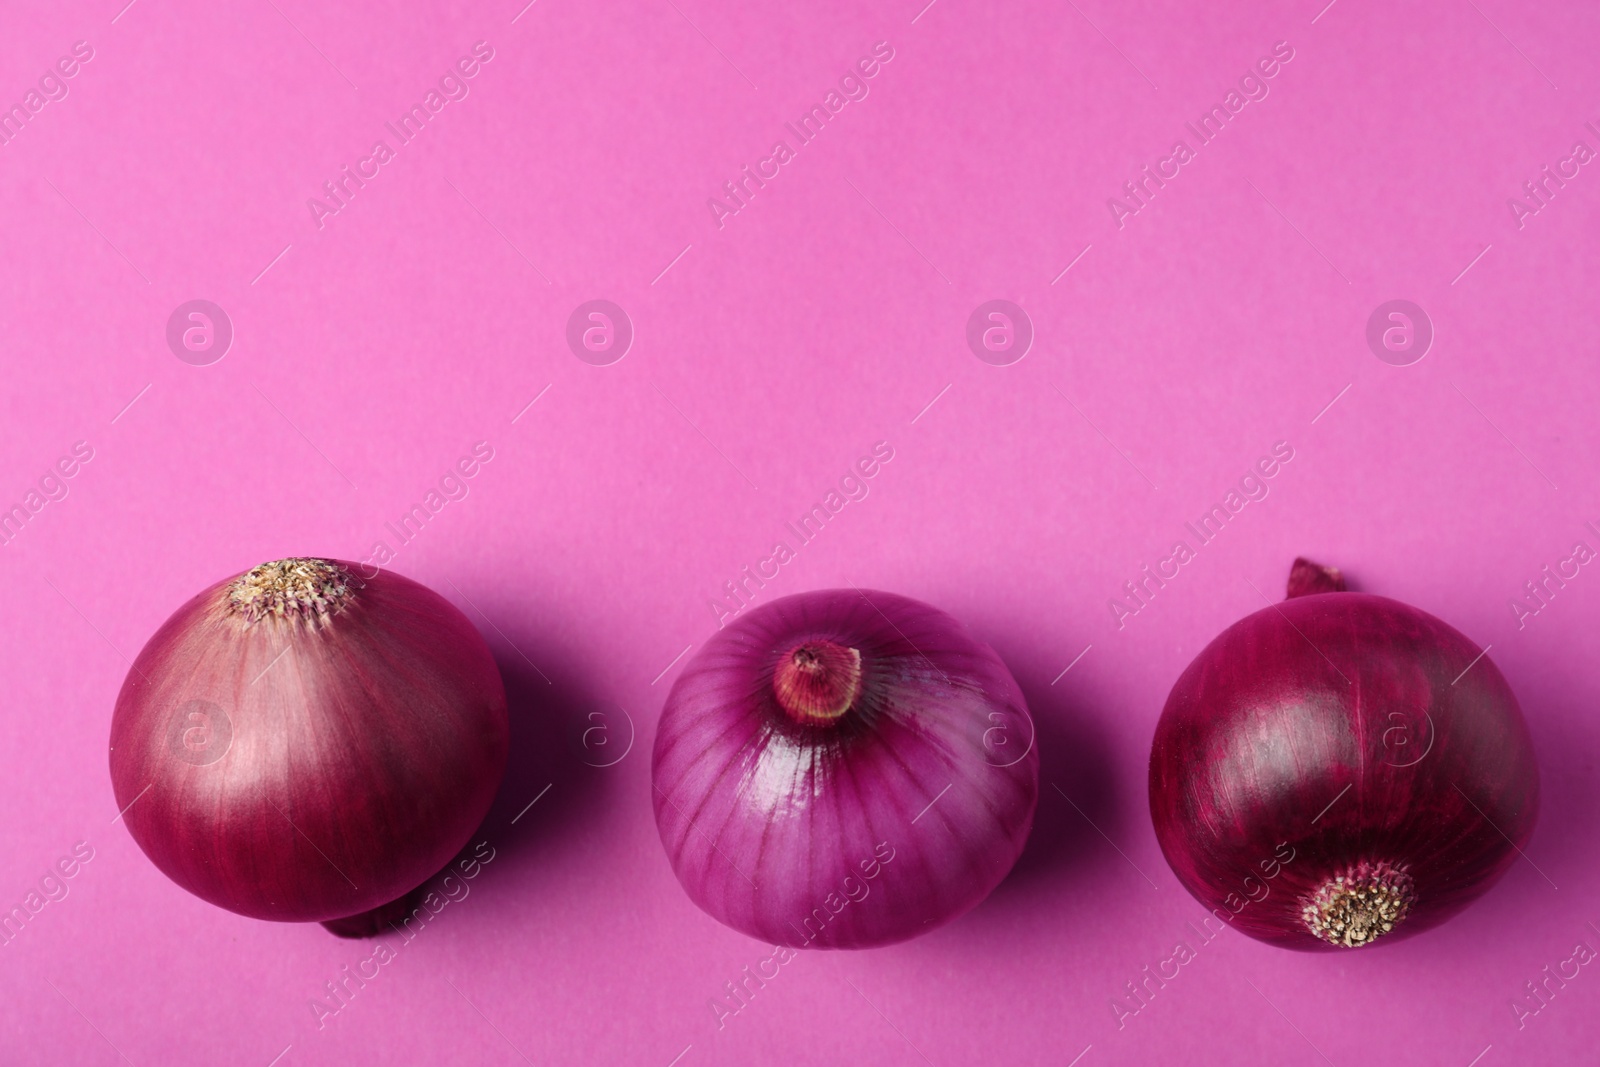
(1339, 768)
(843, 769)
(300, 743)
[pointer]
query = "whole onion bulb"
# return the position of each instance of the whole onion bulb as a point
(1340, 768)
(843, 769)
(300, 743)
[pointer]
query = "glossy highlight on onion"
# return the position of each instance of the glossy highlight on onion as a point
(301, 743)
(1340, 769)
(843, 769)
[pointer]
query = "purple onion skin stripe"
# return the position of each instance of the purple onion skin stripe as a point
(843, 769)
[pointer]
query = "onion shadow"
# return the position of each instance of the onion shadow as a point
(1078, 792)
(548, 793)
(1557, 700)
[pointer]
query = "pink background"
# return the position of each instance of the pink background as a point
(824, 316)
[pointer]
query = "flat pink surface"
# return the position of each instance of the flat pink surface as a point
(769, 352)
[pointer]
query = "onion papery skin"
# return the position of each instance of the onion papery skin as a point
(862, 830)
(322, 784)
(1334, 733)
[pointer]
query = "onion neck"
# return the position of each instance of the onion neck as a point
(817, 681)
(1306, 578)
(1361, 905)
(379, 919)
(296, 588)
